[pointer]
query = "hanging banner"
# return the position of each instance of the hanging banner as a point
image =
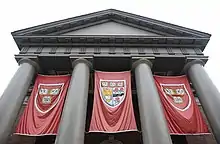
(112, 107)
(180, 109)
(43, 112)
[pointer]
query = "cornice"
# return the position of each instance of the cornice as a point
(51, 32)
(110, 15)
(105, 40)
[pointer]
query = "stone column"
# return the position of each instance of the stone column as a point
(153, 124)
(72, 125)
(208, 94)
(13, 96)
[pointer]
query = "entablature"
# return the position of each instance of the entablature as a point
(106, 40)
(162, 63)
(110, 50)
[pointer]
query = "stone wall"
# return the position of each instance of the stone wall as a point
(203, 139)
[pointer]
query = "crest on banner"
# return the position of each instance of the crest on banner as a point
(113, 92)
(177, 95)
(47, 97)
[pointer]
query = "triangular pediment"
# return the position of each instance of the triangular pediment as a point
(137, 24)
(111, 28)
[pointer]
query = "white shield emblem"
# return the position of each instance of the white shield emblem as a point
(47, 96)
(177, 95)
(113, 92)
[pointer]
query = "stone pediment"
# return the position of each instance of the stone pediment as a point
(109, 26)
(98, 18)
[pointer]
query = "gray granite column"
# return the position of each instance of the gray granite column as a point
(72, 125)
(208, 94)
(154, 126)
(13, 96)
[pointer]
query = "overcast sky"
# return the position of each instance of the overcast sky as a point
(202, 15)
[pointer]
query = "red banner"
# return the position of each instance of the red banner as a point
(44, 108)
(181, 111)
(112, 109)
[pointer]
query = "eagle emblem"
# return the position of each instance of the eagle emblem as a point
(47, 96)
(113, 92)
(177, 95)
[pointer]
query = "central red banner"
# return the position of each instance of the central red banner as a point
(181, 111)
(44, 108)
(112, 107)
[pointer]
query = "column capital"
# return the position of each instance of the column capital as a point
(81, 60)
(140, 61)
(31, 62)
(191, 63)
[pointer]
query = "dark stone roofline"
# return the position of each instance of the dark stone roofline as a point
(111, 13)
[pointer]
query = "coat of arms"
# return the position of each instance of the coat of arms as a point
(113, 92)
(177, 95)
(47, 96)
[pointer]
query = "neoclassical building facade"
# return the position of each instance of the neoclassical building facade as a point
(110, 40)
